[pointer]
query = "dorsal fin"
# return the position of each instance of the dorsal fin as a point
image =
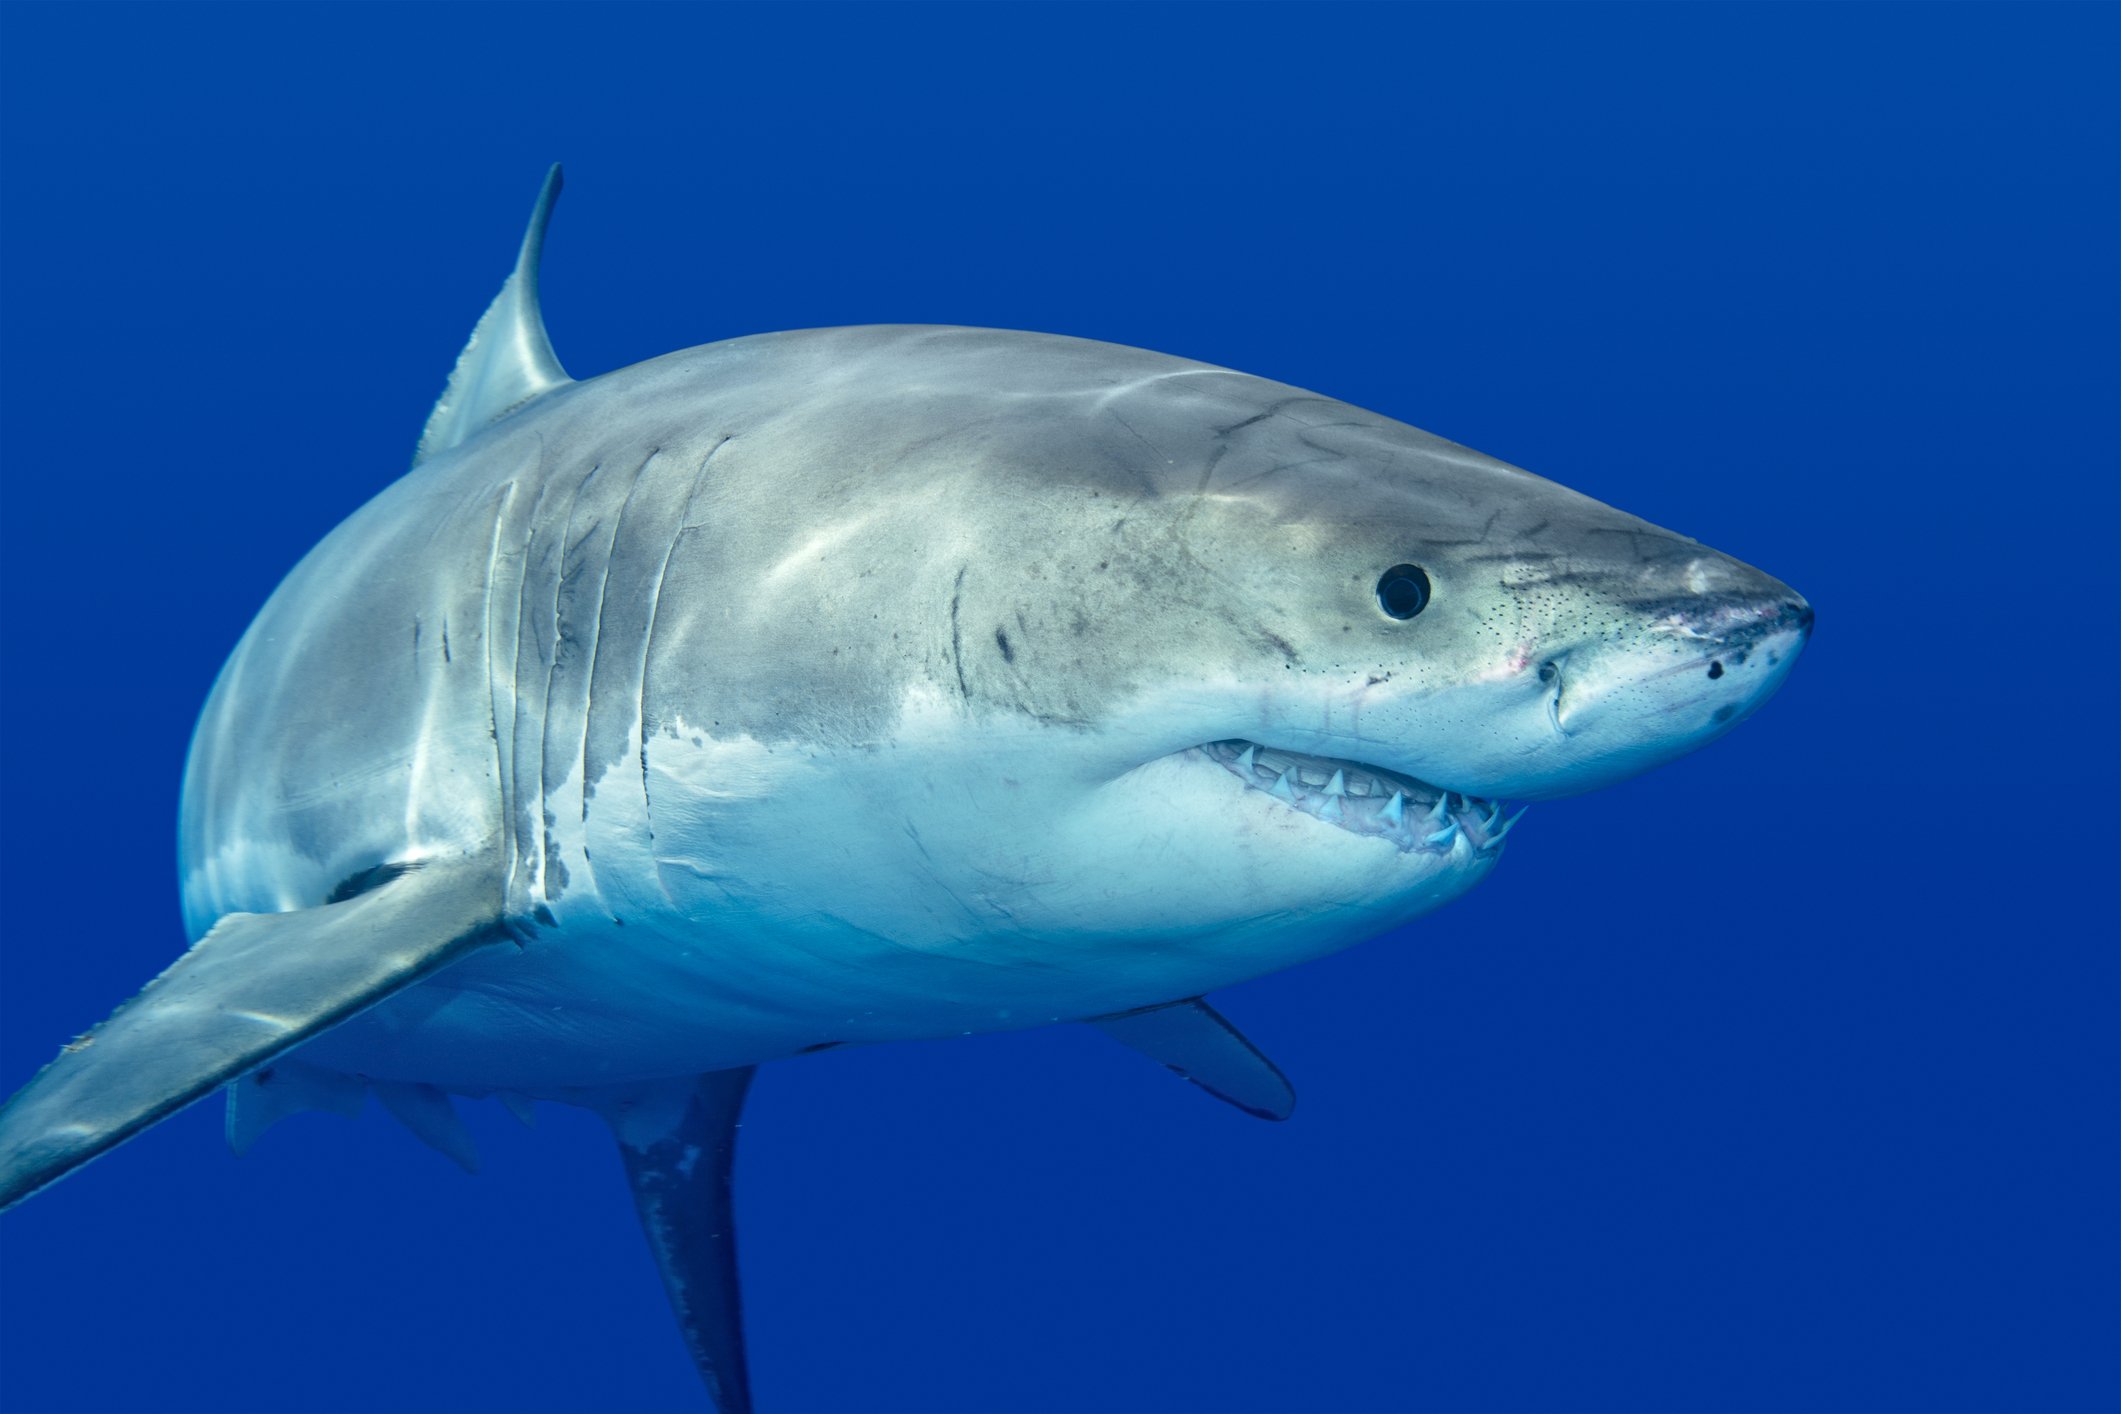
(509, 360)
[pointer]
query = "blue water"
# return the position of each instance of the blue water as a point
(1781, 1079)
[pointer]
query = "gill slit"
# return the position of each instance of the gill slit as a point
(501, 756)
(655, 615)
(513, 801)
(596, 629)
(552, 668)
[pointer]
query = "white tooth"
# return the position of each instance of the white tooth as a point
(1244, 762)
(1442, 809)
(1495, 838)
(1281, 786)
(1395, 812)
(1338, 785)
(1448, 832)
(1331, 809)
(1494, 814)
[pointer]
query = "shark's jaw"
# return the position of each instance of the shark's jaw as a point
(1364, 800)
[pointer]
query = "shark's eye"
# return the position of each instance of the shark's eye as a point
(1403, 591)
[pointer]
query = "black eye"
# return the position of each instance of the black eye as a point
(1403, 591)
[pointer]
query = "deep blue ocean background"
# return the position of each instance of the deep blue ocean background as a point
(1784, 1078)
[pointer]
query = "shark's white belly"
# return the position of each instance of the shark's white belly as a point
(736, 903)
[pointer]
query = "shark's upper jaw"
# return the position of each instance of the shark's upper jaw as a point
(1366, 800)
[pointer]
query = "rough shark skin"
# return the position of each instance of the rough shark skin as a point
(884, 646)
(852, 685)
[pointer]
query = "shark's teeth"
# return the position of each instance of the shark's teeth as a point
(1440, 821)
(1494, 839)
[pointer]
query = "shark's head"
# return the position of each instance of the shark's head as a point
(1186, 654)
(1400, 602)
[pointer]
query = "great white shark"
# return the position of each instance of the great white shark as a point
(853, 685)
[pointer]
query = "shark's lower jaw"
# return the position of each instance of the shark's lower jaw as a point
(1367, 800)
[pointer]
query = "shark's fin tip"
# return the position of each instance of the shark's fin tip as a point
(1192, 1039)
(261, 1099)
(508, 360)
(256, 986)
(678, 1141)
(428, 1113)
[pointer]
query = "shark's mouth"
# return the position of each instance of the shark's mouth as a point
(1367, 800)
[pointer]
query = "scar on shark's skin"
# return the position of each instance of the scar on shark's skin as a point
(957, 643)
(1268, 669)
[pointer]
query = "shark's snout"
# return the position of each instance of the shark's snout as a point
(1692, 668)
(1736, 622)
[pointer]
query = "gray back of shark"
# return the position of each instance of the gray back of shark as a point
(855, 684)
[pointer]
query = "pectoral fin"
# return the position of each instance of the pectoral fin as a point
(254, 986)
(1192, 1039)
(679, 1144)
